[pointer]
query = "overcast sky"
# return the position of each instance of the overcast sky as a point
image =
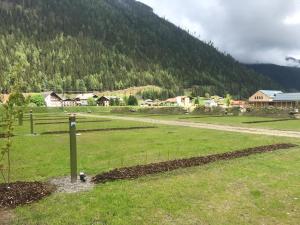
(264, 31)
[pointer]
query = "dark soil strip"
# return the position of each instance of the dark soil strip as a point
(78, 121)
(97, 130)
(21, 193)
(267, 121)
(143, 170)
(199, 117)
(48, 119)
(4, 135)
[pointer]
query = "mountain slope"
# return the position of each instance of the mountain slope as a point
(288, 77)
(111, 44)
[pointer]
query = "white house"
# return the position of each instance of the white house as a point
(52, 99)
(210, 103)
(181, 101)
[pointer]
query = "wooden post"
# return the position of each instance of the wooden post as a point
(20, 117)
(31, 123)
(73, 148)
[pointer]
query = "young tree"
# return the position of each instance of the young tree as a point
(11, 110)
(38, 100)
(92, 102)
(197, 102)
(228, 99)
(132, 100)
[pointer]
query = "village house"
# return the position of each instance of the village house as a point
(267, 98)
(181, 101)
(68, 102)
(107, 100)
(52, 99)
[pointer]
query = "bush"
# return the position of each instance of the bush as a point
(132, 101)
(37, 100)
(91, 102)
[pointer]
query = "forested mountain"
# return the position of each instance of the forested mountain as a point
(110, 44)
(288, 77)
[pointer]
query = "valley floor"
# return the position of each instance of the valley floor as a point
(259, 189)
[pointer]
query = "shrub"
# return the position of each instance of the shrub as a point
(37, 100)
(91, 102)
(132, 101)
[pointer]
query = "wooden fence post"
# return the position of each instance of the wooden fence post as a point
(73, 148)
(31, 123)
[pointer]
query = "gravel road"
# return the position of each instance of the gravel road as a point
(247, 130)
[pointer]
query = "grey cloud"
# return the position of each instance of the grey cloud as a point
(251, 31)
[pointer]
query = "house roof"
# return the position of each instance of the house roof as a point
(294, 97)
(52, 93)
(271, 93)
(172, 100)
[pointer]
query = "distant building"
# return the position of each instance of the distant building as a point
(148, 102)
(82, 99)
(68, 102)
(181, 101)
(52, 99)
(107, 100)
(267, 98)
(238, 103)
(210, 103)
(103, 101)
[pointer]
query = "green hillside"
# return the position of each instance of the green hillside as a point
(110, 44)
(288, 77)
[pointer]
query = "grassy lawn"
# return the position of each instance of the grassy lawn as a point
(261, 189)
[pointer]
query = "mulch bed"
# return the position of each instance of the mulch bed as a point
(267, 121)
(97, 130)
(78, 121)
(154, 168)
(22, 193)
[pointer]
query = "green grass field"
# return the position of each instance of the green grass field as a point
(260, 189)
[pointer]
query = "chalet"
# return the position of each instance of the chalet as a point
(82, 99)
(278, 99)
(103, 101)
(52, 99)
(107, 100)
(68, 102)
(181, 101)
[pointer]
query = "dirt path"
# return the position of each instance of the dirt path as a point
(5, 217)
(270, 132)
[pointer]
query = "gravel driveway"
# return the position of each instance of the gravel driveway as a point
(270, 132)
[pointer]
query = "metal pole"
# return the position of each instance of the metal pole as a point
(73, 148)
(31, 122)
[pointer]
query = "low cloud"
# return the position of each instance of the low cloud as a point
(257, 31)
